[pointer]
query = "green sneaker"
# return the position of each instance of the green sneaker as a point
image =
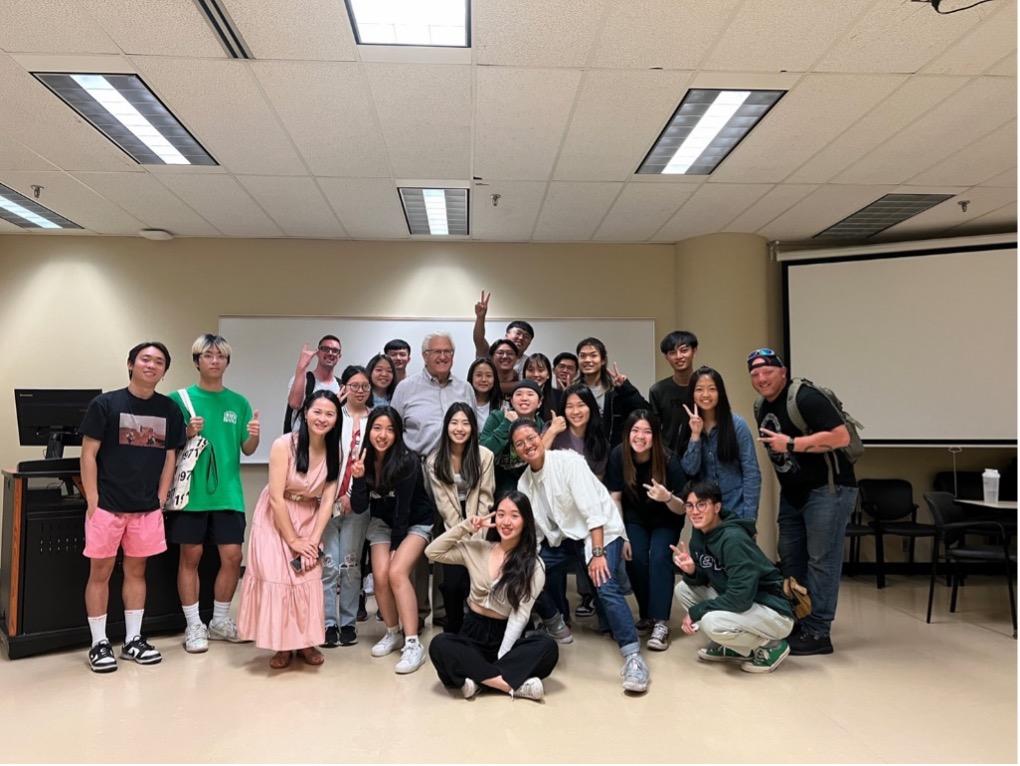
(715, 653)
(767, 658)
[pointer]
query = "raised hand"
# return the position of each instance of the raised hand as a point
(557, 423)
(358, 465)
(305, 357)
(482, 306)
(478, 523)
(695, 421)
(617, 377)
(682, 557)
(776, 442)
(657, 492)
(511, 415)
(254, 429)
(195, 426)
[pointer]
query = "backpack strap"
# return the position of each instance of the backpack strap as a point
(793, 412)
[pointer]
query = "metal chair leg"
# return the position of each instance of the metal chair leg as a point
(931, 582)
(879, 560)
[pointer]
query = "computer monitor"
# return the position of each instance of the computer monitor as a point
(51, 416)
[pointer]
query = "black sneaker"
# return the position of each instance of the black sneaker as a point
(101, 659)
(362, 612)
(348, 636)
(804, 643)
(586, 608)
(332, 637)
(141, 651)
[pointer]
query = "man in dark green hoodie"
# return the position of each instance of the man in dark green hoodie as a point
(731, 591)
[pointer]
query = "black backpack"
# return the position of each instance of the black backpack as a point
(288, 414)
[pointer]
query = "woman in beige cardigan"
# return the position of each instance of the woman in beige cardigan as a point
(461, 481)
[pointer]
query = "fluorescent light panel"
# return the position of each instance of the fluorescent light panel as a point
(884, 212)
(435, 212)
(122, 107)
(705, 128)
(432, 23)
(25, 212)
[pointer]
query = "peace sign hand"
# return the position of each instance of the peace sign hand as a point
(617, 377)
(657, 492)
(482, 306)
(358, 466)
(695, 421)
(478, 523)
(776, 442)
(682, 557)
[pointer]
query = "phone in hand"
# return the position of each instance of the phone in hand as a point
(296, 561)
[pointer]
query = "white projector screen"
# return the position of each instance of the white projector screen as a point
(921, 348)
(265, 351)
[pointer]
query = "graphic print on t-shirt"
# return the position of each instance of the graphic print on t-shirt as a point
(142, 430)
(784, 462)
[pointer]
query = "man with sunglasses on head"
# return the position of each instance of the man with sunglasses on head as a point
(818, 490)
(305, 382)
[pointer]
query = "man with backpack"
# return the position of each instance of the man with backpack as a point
(812, 444)
(305, 382)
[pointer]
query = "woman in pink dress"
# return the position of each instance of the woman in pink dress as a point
(281, 597)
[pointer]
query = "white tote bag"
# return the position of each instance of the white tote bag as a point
(180, 488)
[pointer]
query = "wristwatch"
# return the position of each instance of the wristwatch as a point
(598, 550)
(789, 444)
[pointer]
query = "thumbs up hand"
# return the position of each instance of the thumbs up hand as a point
(254, 429)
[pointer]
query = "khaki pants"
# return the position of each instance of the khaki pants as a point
(743, 632)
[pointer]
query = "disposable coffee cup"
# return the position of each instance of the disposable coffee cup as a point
(990, 483)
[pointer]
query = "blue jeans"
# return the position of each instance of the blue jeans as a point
(811, 549)
(651, 568)
(612, 604)
(342, 540)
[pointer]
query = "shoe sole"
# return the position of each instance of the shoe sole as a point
(228, 639)
(635, 687)
(405, 671)
(656, 646)
(711, 658)
(203, 650)
(752, 668)
(348, 643)
(102, 669)
(139, 661)
(563, 641)
(377, 653)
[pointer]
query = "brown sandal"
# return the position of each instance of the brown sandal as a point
(311, 656)
(280, 660)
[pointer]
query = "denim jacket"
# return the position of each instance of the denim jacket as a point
(739, 481)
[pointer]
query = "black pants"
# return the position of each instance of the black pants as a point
(455, 586)
(472, 654)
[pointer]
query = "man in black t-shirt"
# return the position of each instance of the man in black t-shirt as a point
(813, 511)
(130, 439)
(668, 395)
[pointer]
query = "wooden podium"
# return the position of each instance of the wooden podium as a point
(43, 572)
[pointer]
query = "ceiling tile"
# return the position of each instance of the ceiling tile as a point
(709, 209)
(616, 120)
(792, 131)
(898, 37)
(948, 215)
(819, 210)
(66, 195)
(644, 33)
(368, 208)
(513, 218)
(221, 103)
(296, 204)
(1001, 220)
(16, 156)
(425, 115)
(975, 163)
(1006, 67)
(945, 129)
(145, 198)
(318, 30)
(521, 115)
(221, 201)
(641, 210)
(772, 205)
(156, 27)
(780, 35)
(550, 33)
(572, 211)
(31, 26)
(327, 110)
(982, 46)
(916, 96)
(1007, 178)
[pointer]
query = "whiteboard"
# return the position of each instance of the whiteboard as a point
(266, 348)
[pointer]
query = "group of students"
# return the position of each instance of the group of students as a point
(505, 482)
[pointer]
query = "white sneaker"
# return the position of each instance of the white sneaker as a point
(659, 640)
(224, 630)
(390, 642)
(531, 689)
(412, 657)
(636, 676)
(369, 585)
(469, 689)
(196, 639)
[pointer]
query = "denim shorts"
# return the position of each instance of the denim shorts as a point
(379, 532)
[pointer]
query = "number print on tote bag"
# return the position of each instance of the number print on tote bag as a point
(180, 489)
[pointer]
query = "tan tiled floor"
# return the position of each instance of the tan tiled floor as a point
(897, 690)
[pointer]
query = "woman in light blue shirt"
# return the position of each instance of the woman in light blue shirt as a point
(717, 444)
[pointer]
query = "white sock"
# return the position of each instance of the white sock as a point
(132, 623)
(394, 630)
(220, 610)
(98, 627)
(191, 614)
(411, 639)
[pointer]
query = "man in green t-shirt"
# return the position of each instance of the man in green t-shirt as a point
(215, 509)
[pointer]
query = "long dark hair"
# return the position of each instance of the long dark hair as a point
(332, 437)
(471, 463)
(398, 460)
(729, 450)
(659, 455)
(519, 564)
(496, 394)
(596, 445)
(545, 409)
(374, 362)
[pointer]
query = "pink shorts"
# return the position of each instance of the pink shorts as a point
(140, 534)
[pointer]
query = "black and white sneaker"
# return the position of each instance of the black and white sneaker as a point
(101, 659)
(332, 637)
(348, 635)
(141, 651)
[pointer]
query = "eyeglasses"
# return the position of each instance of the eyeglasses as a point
(526, 440)
(210, 356)
(329, 350)
(701, 505)
(439, 351)
(761, 352)
(360, 387)
(505, 354)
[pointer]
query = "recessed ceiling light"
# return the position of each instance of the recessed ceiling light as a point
(884, 212)
(435, 23)
(438, 212)
(122, 107)
(705, 128)
(28, 214)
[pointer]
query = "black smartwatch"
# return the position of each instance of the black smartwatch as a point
(789, 444)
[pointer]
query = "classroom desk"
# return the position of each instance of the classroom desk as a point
(1001, 505)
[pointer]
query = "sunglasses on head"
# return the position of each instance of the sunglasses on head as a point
(761, 352)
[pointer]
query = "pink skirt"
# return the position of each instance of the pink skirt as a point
(280, 609)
